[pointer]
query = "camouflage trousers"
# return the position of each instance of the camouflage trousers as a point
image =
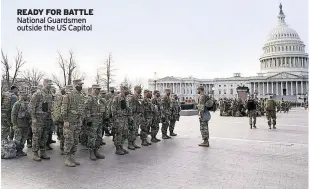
(145, 127)
(134, 129)
(204, 129)
(155, 126)
(60, 133)
(20, 137)
(172, 125)
(94, 133)
(40, 130)
(252, 117)
(271, 115)
(6, 126)
(121, 130)
(165, 126)
(71, 135)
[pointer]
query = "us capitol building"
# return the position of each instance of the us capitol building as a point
(284, 72)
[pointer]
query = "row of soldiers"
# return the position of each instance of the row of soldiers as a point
(85, 117)
(237, 108)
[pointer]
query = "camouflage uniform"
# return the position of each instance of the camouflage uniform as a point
(166, 114)
(121, 115)
(21, 123)
(95, 111)
(175, 113)
(56, 115)
(137, 110)
(41, 105)
(105, 120)
(147, 118)
(30, 134)
(271, 113)
(204, 125)
(7, 101)
(72, 112)
(156, 101)
(251, 106)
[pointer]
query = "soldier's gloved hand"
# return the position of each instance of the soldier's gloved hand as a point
(66, 124)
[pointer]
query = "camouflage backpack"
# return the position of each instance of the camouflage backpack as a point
(8, 149)
(56, 109)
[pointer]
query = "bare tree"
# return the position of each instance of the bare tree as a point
(11, 72)
(98, 78)
(32, 77)
(139, 83)
(108, 73)
(127, 83)
(69, 71)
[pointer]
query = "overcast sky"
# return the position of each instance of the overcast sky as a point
(199, 38)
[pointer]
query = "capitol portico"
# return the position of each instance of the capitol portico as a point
(284, 71)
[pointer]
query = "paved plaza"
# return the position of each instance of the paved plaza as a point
(237, 158)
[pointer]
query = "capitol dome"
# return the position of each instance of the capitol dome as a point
(283, 50)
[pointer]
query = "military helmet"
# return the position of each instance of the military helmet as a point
(95, 86)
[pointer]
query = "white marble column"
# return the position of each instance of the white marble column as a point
(277, 88)
(301, 87)
(286, 88)
(254, 88)
(267, 87)
(292, 91)
(180, 88)
(296, 87)
(281, 87)
(272, 88)
(263, 83)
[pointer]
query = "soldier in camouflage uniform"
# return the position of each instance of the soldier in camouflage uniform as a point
(175, 114)
(137, 110)
(156, 101)
(204, 125)
(251, 107)
(52, 129)
(56, 115)
(72, 112)
(21, 123)
(121, 116)
(7, 101)
(41, 105)
(29, 139)
(83, 133)
(95, 112)
(146, 123)
(105, 123)
(166, 114)
(271, 114)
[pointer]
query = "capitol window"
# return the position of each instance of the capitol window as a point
(220, 91)
(231, 91)
(224, 91)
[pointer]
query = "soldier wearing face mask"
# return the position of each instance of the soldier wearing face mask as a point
(121, 114)
(41, 106)
(175, 114)
(72, 113)
(147, 118)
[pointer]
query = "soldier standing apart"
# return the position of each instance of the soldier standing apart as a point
(72, 113)
(204, 125)
(147, 118)
(29, 139)
(175, 114)
(7, 101)
(251, 106)
(271, 112)
(156, 101)
(41, 105)
(137, 110)
(95, 109)
(21, 123)
(120, 113)
(166, 114)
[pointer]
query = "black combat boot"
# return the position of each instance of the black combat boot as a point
(205, 143)
(250, 126)
(154, 139)
(165, 136)
(131, 146)
(29, 143)
(73, 159)
(21, 153)
(269, 126)
(69, 162)
(172, 133)
(43, 155)
(92, 155)
(119, 151)
(36, 156)
(148, 142)
(274, 127)
(48, 147)
(144, 142)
